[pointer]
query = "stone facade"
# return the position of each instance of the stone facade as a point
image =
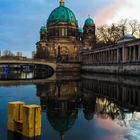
(123, 58)
(61, 39)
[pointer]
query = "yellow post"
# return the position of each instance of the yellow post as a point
(15, 113)
(31, 120)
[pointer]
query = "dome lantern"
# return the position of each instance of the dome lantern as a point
(62, 2)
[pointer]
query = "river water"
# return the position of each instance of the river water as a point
(77, 107)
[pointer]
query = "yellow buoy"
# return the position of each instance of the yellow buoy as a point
(31, 120)
(15, 113)
(24, 119)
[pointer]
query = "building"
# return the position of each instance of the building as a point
(120, 58)
(33, 54)
(19, 54)
(62, 39)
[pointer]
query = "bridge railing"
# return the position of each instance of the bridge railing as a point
(44, 60)
(26, 59)
(37, 60)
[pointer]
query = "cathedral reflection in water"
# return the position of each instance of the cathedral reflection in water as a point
(62, 100)
(105, 99)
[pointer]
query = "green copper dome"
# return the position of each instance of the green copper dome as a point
(62, 14)
(80, 30)
(89, 21)
(43, 27)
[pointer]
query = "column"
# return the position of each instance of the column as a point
(118, 56)
(112, 56)
(106, 56)
(134, 53)
(123, 54)
(127, 54)
(109, 56)
(139, 53)
(101, 57)
(130, 59)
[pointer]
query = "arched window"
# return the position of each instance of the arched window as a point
(60, 32)
(63, 32)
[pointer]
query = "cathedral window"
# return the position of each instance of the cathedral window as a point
(63, 32)
(60, 32)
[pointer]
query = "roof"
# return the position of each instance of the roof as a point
(43, 27)
(80, 30)
(62, 14)
(126, 37)
(89, 21)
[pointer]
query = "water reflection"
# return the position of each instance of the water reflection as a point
(88, 108)
(15, 72)
(63, 106)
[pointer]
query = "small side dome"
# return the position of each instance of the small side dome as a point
(126, 37)
(89, 21)
(80, 30)
(43, 27)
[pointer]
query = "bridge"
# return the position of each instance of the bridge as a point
(57, 67)
(51, 64)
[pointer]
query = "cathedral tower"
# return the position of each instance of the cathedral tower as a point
(89, 38)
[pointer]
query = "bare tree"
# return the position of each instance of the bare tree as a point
(123, 25)
(107, 35)
(134, 26)
(8, 53)
(110, 34)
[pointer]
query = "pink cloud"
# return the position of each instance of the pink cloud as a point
(109, 12)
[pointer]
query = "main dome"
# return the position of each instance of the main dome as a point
(62, 14)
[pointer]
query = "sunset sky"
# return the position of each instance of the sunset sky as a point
(20, 20)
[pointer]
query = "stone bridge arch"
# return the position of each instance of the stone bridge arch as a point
(30, 61)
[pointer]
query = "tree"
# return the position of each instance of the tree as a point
(8, 53)
(107, 35)
(134, 26)
(110, 34)
(123, 25)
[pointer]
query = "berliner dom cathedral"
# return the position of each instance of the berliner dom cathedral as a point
(62, 39)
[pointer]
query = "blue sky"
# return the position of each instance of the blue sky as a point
(20, 20)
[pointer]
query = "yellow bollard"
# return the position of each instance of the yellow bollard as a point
(15, 114)
(31, 120)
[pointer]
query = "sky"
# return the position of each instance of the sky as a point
(20, 20)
